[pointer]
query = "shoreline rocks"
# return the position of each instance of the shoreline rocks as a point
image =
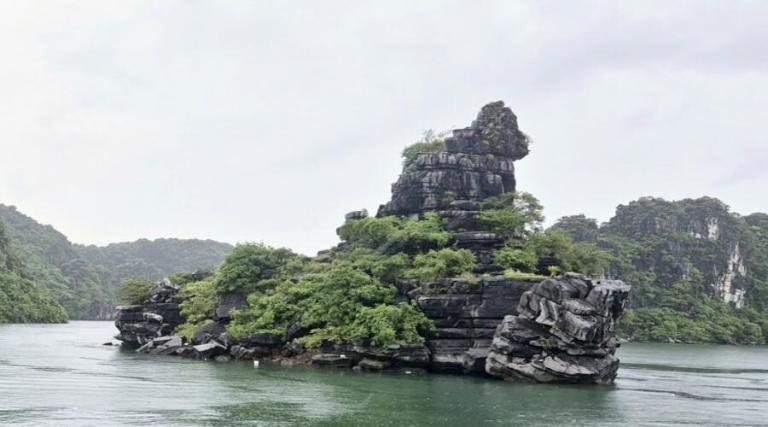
(140, 324)
(554, 330)
(563, 332)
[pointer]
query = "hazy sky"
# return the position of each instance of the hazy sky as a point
(267, 121)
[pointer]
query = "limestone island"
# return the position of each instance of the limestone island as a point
(452, 275)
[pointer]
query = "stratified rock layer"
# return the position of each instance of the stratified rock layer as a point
(563, 332)
(494, 132)
(466, 313)
(477, 163)
(140, 324)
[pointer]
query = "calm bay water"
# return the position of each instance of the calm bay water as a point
(60, 375)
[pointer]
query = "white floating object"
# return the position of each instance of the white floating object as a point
(343, 356)
(255, 363)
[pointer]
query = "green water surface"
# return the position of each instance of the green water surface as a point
(62, 375)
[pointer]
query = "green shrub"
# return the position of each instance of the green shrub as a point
(511, 215)
(271, 312)
(199, 304)
(389, 268)
(515, 274)
(369, 232)
(134, 291)
(436, 265)
(391, 235)
(516, 259)
(389, 324)
(336, 305)
(430, 142)
(182, 279)
(249, 264)
(583, 258)
(414, 236)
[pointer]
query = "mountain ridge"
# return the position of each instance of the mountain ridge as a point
(82, 278)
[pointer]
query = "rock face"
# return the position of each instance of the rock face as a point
(563, 332)
(140, 324)
(466, 314)
(227, 303)
(394, 356)
(477, 163)
(700, 236)
(494, 132)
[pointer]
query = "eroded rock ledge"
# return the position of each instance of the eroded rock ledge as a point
(139, 324)
(563, 332)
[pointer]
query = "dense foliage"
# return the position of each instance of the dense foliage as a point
(345, 295)
(392, 235)
(518, 217)
(338, 304)
(199, 304)
(248, 266)
(21, 299)
(348, 293)
(512, 215)
(436, 265)
(84, 279)
(50, 260)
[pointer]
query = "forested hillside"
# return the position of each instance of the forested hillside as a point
(153, 259)
(48, 257)
(21, 299)
(83, 278)
(698, 270)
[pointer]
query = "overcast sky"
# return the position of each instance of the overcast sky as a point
(267, 121)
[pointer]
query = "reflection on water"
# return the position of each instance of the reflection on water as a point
(61, 375)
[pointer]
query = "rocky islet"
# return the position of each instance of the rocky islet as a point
(526, 329)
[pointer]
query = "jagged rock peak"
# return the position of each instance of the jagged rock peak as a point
(494, 132)
(477, 164)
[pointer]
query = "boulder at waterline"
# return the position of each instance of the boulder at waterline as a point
(563, 332)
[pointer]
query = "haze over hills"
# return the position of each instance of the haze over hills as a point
(83, 278)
